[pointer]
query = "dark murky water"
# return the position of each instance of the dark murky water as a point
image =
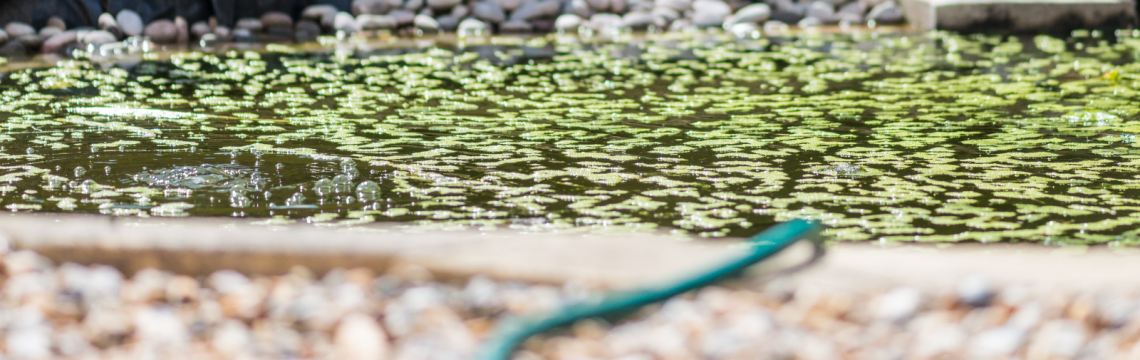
(933, 137)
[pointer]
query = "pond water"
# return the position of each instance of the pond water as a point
(932, 137)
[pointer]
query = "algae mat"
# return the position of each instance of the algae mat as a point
(930, 137)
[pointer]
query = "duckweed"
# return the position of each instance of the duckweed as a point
(934, 137)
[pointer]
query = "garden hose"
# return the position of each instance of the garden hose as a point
(512, 332)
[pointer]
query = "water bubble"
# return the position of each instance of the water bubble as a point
(368, 190)
(88, 186)
(107, 170)
(30, 151)
(323, 186)
(79, 171)
(296, 199)
(342, 184)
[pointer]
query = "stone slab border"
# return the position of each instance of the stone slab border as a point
(1019, 15)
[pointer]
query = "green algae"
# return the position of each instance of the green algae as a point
(934, 137)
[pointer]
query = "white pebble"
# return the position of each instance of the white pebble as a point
(898, 304)
(360, 337)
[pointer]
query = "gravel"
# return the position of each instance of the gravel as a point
(75, 311)
(509, 16)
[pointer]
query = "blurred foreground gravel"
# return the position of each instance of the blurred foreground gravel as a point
(77, 312)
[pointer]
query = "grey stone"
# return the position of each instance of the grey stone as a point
(49, 31)
(448, 22)
(637, 19)
(618, 6)
(755, 13)
(223, 33)
(413, 5)
(640, 5)
(161, 31)
(424, 22)
(129, 22)
(886, 13)
(710, 13)
(376, 22)
(362, 7)
(810, 22)
(345, 22)
(854, 7)
(277, 19)
(59, 41)
(56, 22)
(821, 10)
(443, 4)
(13, 48)
(317, 12)
(31, 41)
(471, 27)
(975, 291)
(580, 8)
(183, 29)
(489, 11)
(98, 37)
(533, 10)
(18, 29)
(402, 17)
(599, 5)
(787, 11)
(508, 5)
(199, 28)
(460, 11)
(680, 24)
(667, 13)
(515, 27)
(427, 11)
(328, 21)
(306, 30)
(679, 5)
(848, 18)
(251, 24)
(605, 22)
(542, 25)
(567, 22)
(3, 36)
(244, 36)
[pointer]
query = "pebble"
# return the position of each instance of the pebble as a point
(515, 27)
(183, 29)
(710, 12)
(18, 29)
(605, 22)
(360, 337)
(679, 5)
(107, 22)
(471, 27)
(199, 28)
(98, 37)
(402, 17)
(443, 4)
(49, 31)
(448, 22)
(129, 22)
(3, 36)
(579, 8)
(821, 10)
(489, 12)
(975, 291)
(425, 22)
(637, 19)
(535, 10)
(56, 22)
(161, 31)
(886, 13)
(317, 12)
(787, 11)
(755, 13)
(460, 11)
(566, 22)
(345, 22)
(898, 304)
(599, 5)
(276, 19)
(366, 7)
(413, 5)
(251, 24)
(508, 5)
(375, 22)
(667, 14)
(58, 41)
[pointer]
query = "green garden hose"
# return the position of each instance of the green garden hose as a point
(511, 332)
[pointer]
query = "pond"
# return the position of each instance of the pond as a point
(889, 137)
